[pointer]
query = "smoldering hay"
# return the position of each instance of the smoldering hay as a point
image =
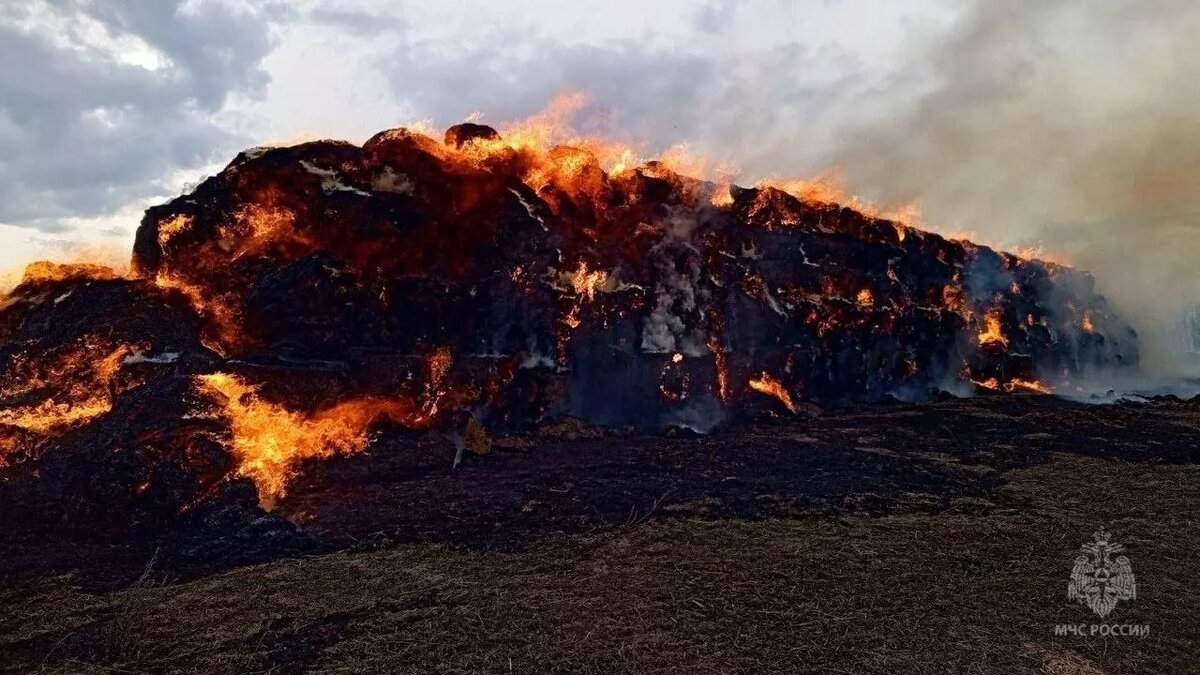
(308, 298)
(1067, 124)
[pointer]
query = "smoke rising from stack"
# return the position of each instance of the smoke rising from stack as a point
(1065, 125)
(1069, 124)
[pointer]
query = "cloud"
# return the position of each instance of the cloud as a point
(738, 108)
(100, 102)
(712, 16)
(659, 104)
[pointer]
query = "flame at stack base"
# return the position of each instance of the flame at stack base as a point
(269, 441)
(318, 291)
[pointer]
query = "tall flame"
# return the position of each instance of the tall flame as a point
(992, 332)
(269, 441)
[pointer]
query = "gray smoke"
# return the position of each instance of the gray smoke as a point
(671, 324)
(1069, 123)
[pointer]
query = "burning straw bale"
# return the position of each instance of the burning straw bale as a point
(307, 299)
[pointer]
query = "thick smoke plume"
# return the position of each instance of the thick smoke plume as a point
(1067, 124)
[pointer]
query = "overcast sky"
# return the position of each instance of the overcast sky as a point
(108, 104)
(1067, 122)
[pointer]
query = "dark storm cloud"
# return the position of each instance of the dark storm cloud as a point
(82, 133)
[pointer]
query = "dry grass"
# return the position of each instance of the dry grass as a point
(919, 594)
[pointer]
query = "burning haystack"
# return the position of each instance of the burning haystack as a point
(303, 298)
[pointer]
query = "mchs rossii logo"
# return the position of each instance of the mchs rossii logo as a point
(1102, 577)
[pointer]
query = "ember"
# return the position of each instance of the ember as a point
(80, 379)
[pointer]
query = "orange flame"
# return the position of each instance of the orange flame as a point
(586, 283)
(1031, 385)
(1039, 253)
(990, 383)
(1015, 384)
(828, 187)
(992, 332)
(45, 271)
(1087, 323)
(269, 441)
(80, 379)
(224, 318)
(765, 384)
(722, 195)
(167, 229)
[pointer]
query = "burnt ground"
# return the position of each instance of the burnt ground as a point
(905, 538)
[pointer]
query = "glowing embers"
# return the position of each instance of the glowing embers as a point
(171, 227)
(583, 283)
(586, 282)
(225, 328)
(674, 381)
(1087, 323)
(720, 363)
(438, 365)
(954, 298)
(1015, 384)
(263, 224)
(572, 319)
(51, 393)
(766, 384)
(44, 271)
(269, 441)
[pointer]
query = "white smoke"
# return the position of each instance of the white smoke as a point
(671, 324)
(1068, 123)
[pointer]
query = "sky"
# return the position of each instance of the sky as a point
(1069, 124)
(107, 106)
